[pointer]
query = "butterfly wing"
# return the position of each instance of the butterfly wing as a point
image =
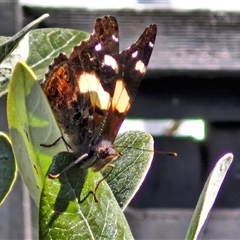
(91, 60)
(133, 65)
(96, 68)
(72, 110)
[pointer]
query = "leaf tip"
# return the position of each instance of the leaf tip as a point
(22, 65)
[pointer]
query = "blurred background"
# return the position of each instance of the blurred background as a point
(189, 101)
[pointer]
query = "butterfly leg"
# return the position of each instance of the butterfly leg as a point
(99, 182)
(54, 143)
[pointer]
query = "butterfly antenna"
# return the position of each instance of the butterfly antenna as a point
(172, 154)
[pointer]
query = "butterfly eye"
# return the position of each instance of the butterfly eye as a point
(102, 152)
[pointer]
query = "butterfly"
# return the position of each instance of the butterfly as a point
(91, 91)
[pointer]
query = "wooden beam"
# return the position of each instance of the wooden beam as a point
(186, 41)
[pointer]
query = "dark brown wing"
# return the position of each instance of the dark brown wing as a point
(96, 67)
(91, 61)
(132, 67)
(73, 111)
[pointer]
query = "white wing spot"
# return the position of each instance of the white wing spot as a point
(134, 54)
(151, 44)
(110, 61)
(114, 38)
(140, 66)
(98, 47)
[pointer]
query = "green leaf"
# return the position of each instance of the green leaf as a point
(68, 212)
(6, 67)
(13, 49)
(10, 44)
(208, 197)
(132, 167)
(8, 168)
(46, 44)
(31, 124)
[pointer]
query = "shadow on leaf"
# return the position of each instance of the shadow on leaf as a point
(59, 193)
